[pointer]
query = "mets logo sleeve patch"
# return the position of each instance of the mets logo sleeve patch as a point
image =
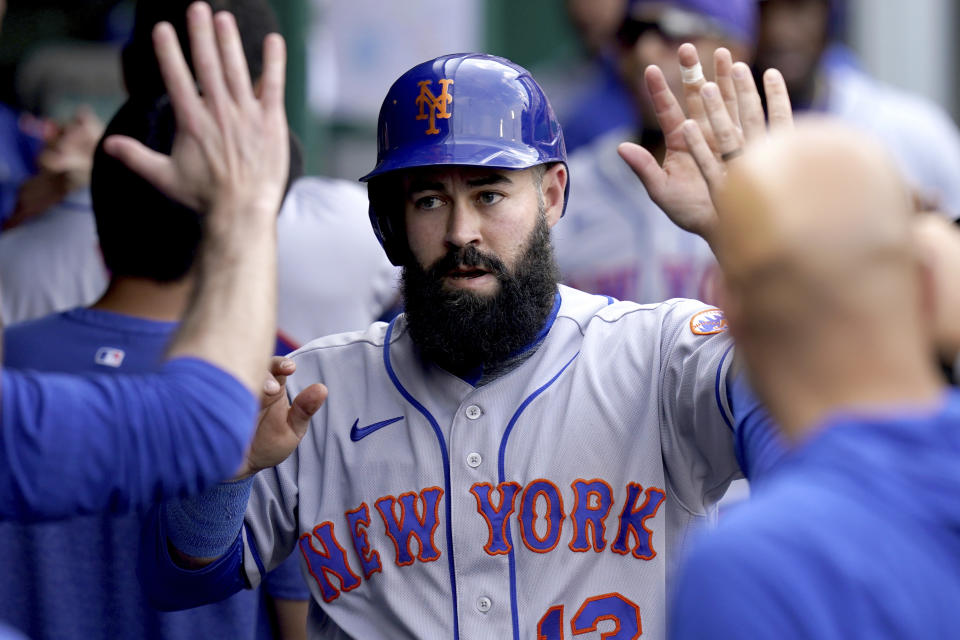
(708, 322)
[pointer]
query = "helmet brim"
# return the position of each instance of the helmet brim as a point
(462, 153)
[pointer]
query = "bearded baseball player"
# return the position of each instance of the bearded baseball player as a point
(510, 458)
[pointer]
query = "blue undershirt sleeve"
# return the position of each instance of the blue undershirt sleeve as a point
(169, 587)
(758, 445)
(72, 444)
(286, 581)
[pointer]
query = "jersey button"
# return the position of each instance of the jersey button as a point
(474, 459)
(483, 604)
(473, 412)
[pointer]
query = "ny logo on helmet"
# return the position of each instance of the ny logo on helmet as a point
(437, 104)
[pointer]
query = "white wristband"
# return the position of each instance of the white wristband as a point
(692, 75)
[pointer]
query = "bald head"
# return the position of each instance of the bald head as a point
(819, 260)
(813, 199)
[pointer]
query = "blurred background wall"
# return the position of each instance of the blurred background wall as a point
(344, 54)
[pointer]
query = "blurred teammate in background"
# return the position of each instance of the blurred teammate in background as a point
(795, 36)
(45, 169)
(49, 260)
(323, 225)
(150, 437)
(148, 242)
(616, 241)
(599, 101)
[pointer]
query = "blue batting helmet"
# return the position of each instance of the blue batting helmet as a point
(467, 109)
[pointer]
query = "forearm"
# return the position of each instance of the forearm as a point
(229, 161)
(168, 586)
(291, 617)
(202, 528)
(231, 321)
(86, 444)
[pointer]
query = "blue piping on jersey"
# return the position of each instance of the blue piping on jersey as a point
(446, 469)
(546, 327)
(723, 412)
(610, 300)
(501, 473)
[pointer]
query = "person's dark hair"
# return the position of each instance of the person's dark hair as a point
(255, 19)
(142, 232)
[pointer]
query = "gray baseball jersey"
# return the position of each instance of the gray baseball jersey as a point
(549, 501)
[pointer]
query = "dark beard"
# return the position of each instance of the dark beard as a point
(460, 330)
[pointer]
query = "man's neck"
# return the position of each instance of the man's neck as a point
(808, 391)
(144, 298)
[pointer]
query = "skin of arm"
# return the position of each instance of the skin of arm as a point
(291, 618)
(229, 160)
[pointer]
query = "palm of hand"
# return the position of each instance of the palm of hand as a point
(275, 438)
(684, 195)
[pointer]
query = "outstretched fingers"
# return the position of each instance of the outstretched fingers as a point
(710, 167)
(232, 58)
(723, 75)
(157, 168)
(206, 54)
(176, 74)
(691, 73)
(273, 79)
(778, 101)
(752, 119)
(669, 113)
(727, 136)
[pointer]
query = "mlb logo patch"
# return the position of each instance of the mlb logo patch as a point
(708, 322)
(109, 357)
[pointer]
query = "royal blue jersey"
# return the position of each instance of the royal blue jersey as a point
(856, 534)
(77, 578)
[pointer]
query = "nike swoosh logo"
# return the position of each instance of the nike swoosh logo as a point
(357, 432)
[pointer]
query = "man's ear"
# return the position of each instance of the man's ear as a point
(554, 187)
(938, 248)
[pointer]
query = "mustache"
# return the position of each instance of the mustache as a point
(468, 256)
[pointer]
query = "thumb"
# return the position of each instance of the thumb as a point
(653, 177)
(154, 167)
(307, 403)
